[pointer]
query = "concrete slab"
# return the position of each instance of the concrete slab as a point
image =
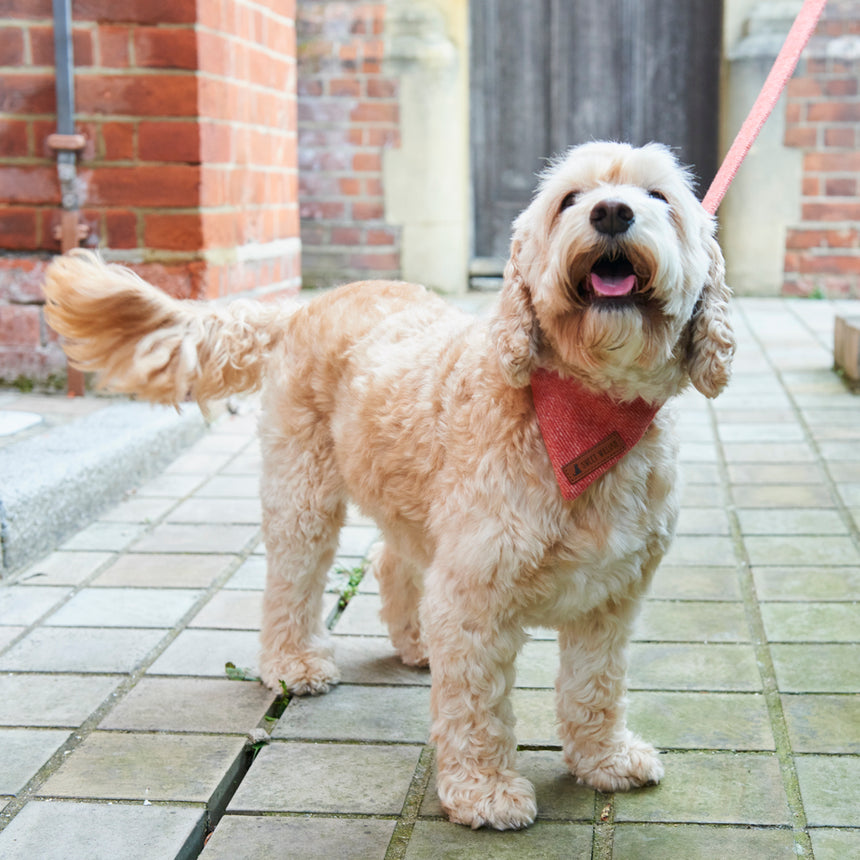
(261, 838)
(65, 830)
(154, 767)
(346, 778)
(52, 700)
(23, 752)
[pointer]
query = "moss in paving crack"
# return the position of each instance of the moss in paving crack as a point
(354, 577)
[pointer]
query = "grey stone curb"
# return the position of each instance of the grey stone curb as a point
(53, 484)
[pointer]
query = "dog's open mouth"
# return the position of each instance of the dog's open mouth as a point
(612, 278)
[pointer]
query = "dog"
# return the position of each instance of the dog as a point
(383, 394)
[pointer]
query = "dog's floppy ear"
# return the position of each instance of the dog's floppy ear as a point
(712, 342)
(515, 327)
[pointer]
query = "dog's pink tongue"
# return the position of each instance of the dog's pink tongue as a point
(611, 286)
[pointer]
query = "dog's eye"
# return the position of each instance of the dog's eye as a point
(568, 201)
(657, 195)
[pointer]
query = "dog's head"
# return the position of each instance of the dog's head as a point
(615, 277)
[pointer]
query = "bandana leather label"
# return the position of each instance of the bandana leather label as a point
(585, 434)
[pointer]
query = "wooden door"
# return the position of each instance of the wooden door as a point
(547, 74)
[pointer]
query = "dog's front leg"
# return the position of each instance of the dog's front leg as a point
(591, 687)
(472, 658)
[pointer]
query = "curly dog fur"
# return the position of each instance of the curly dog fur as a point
(383, 394)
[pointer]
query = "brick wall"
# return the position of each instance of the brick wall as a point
(348, 115)
(189, 172)
(823, 120)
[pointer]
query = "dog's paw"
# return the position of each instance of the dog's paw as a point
(412, 653)
(301, 674)
(505, 802)
(631, 765)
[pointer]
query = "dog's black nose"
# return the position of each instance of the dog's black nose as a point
(611, 217)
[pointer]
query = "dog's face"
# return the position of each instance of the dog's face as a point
(615, 277)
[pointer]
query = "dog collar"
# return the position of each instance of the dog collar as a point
(585, 434)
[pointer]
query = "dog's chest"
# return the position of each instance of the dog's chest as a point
(615, 537)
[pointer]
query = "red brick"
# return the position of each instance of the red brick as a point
(42, 46)
(380, 237)
(369, 211)
(375, 112)
(21, 279)
(173, 232)
(841, 187)
(182, 281)
(364, 161)
(164, 185)
(840, 136)
(117, 141)
(379, 262)
(137, 95)
(113, 45)
(832, 162)
(841, 87)
(830, 264)
(831, 211)
(216, 143)
(28, 9)
(20, 325)
(11, 46)
(321, 210)
(381, 88)
(344, 87)
(343, 236)
(121, 228)
(834, 111)
(801, 87)
(794, 112)
(18, 228)
(34, 184)
(801, 135)
(810, 186)
(169, 141)
(136, 11)
(349, 186)
(27, 93)
(155, 47)
(13, 138)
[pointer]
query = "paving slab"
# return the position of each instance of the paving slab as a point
(369, 714)
(717, 721)
(253, 837)
(439, 840)
(191, 705)
(63, 568)
(713, 787)
(52, 700)
(221, 538)
(64, 830)
(124, 607)
(23, 752)
(21, 605)
(153, 767)
(80, 649)
(693, 666)
(835, 844)
(815, 583)
(830, 786)
(811, 668)
(345, 778)
(697, 842)
(691, 621)
(181, 570)
(822, 723)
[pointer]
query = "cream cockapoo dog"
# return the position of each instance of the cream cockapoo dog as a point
(383, 394)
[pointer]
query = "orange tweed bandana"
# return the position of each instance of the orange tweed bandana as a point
(585, 434)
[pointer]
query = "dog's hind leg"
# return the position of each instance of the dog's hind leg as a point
(303, 511)
(598, 747)
(400, 591)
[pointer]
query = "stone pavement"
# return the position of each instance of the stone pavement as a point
(121, 734)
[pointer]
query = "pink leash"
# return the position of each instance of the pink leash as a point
(783, 68)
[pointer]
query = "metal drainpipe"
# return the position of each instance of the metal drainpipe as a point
(67, 143)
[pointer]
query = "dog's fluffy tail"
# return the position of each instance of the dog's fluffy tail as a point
(141, 341)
